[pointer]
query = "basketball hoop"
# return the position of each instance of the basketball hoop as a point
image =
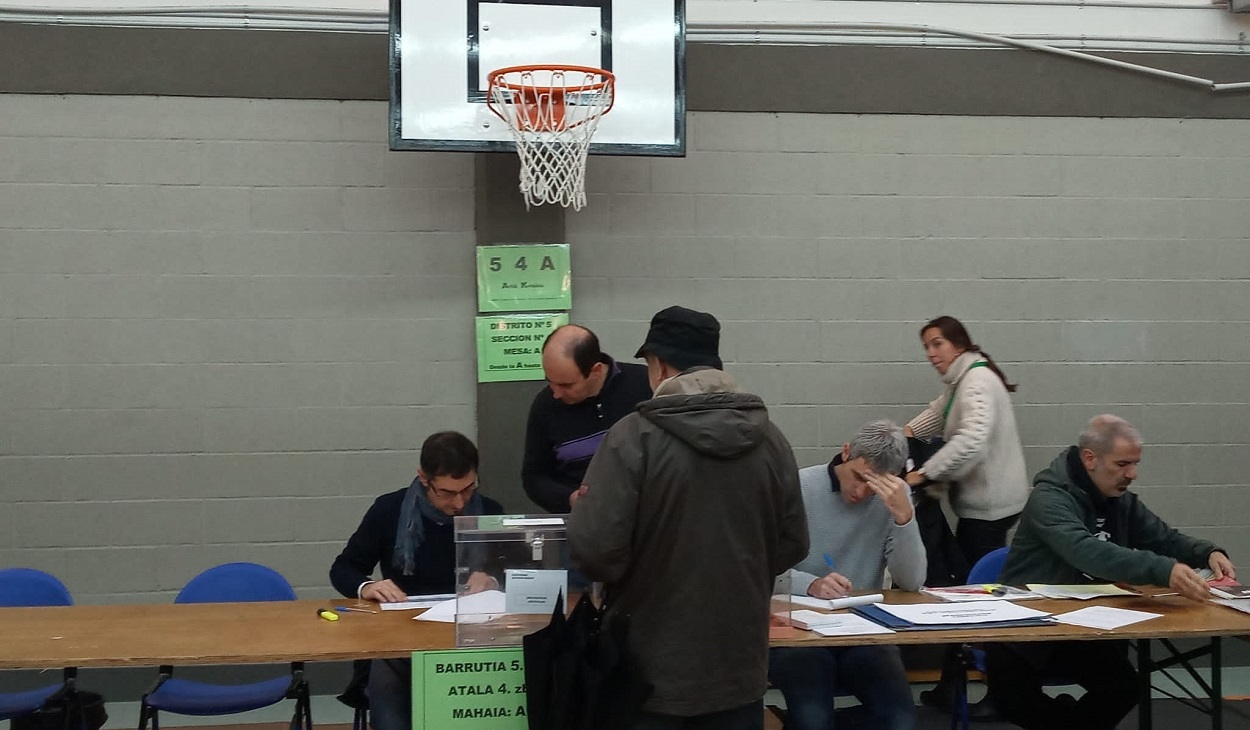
(553, 111)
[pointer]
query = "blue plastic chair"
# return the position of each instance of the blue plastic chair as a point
(989, 567)
(229, 583)
(29, 587)
(986, 570)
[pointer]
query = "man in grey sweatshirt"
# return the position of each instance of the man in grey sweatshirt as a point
(860, 518)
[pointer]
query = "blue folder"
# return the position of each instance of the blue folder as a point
(890, 621)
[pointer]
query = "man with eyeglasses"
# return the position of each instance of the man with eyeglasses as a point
(409, 533)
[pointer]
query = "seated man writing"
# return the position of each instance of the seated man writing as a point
(860, 517)
(409, 532)
(1082, 525)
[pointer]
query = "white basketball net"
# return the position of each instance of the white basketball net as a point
(553, 113)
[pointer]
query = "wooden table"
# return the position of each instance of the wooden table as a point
(207, 633)
(255, 633)
(1182, 619)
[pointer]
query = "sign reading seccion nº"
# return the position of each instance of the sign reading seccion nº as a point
(524, 278)
(510, 346)
(469, 689)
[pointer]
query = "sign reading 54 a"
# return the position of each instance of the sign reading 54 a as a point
(524, 277)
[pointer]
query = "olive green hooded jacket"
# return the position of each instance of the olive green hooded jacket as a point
(1057, 541)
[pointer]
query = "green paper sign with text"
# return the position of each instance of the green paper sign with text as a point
(510, 346)
(469, 689)
(524, 278)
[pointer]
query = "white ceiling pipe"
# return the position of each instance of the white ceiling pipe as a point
(1018, 43)
(310, 18)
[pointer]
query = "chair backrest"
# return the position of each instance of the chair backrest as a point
(988, 567)
(236, 583)
(31, 587)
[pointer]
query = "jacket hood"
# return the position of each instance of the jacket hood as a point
(1062, 475)
(707, 409)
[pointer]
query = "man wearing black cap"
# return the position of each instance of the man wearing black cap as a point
(692, 508)
(587, 391)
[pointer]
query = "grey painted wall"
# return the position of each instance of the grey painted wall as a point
(1102, 262)
(226, 325)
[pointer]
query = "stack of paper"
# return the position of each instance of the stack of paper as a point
(1079, 592)
(832, 603)
(981, 612)
(1229, 589)
(1240, 604)
(848, 624)
(415, 602)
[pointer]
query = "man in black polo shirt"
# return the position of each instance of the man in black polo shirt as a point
(587, 391)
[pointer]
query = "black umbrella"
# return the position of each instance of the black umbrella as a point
(578, 672)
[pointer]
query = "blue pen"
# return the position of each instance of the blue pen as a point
(829, 562)
(353, 610)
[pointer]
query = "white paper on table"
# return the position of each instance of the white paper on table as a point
(968, 612)
(809, 620)
(416, 602)
(850, 624)
(1240, 604)
(1079, 592)
(474, 608)
(832, 603)
(1104, 617)
(802, 601)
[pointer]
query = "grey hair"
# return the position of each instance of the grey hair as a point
(883, 446)
(1103, 431)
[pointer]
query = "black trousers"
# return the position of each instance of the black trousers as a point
(1017, 672)
(747, 717)
(978, 537)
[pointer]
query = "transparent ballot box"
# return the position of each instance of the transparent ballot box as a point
(510, 571)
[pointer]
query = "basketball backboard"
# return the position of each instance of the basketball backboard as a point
(442, 52)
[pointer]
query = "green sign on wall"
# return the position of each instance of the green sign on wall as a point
(510, 346)
(469, 689)
(524, 278)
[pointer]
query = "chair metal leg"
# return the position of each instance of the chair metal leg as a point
(148, 713)
(959, 704)
(308, 723)
(1145, 668)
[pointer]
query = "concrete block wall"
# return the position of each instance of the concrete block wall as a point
(225, 324)
(1103, 262)
(225, 327)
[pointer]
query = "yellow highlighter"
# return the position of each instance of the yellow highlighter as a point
(327, 614)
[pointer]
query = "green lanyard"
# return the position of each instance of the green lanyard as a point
(954, 391)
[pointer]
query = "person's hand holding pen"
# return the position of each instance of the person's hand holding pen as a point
(834, 585)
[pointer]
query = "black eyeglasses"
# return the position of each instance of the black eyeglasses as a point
(452, 494)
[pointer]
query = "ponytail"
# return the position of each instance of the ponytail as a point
(989, 361)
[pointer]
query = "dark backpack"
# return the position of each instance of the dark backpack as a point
(68, 708)
(947, 564)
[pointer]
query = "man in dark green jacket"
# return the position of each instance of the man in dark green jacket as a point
(1082, 525)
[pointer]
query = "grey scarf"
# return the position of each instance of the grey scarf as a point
(410, 532)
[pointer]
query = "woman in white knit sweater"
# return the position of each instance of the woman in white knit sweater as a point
(982, 457)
